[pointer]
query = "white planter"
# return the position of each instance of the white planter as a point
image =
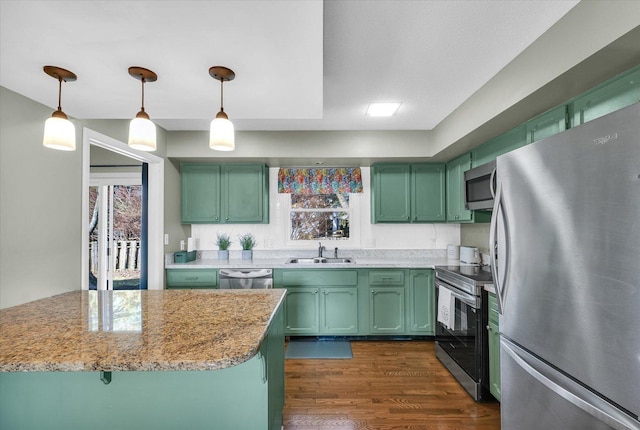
(247, 254)
(223, 254)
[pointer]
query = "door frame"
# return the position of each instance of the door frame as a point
(155, 264)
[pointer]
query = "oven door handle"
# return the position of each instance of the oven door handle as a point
(467, 299)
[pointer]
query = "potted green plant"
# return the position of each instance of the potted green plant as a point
(223, 241)
(247, 241)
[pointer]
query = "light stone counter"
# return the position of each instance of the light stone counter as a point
(401, 259)
(136, 330)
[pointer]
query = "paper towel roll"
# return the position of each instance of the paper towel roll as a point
(190, 246)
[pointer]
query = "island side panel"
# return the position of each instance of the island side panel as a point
(246, 396)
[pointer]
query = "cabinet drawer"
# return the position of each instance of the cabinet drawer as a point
(494, 315)
(386, 277)
(195, 278)
(322, 278)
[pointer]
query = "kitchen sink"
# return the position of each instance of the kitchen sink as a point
(320, 260)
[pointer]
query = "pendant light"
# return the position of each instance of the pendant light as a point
(142, 131)
(59, 132)
(221, 137)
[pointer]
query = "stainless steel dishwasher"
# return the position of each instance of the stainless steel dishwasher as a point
(245, 279)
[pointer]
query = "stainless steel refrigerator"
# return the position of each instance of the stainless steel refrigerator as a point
(566, 235)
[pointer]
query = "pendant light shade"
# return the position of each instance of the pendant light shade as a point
(142, 131)
(59, 132)
(222, 132)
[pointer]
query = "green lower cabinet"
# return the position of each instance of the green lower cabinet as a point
(421, 303)
(301, 311)
(494, 347)
(386, 310)
(339, 310)
(319, 302)
(185, 279)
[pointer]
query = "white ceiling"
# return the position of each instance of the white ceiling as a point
(300, 65)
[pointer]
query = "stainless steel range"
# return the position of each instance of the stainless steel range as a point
(461, 338)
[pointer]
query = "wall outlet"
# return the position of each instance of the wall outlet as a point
(166, 239)
(182, 245)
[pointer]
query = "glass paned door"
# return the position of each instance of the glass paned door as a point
(115, 236)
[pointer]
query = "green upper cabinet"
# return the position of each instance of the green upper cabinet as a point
(390, 193)
(547, 124)
(455, 189)
(489, 151)
(245, 193)
(617, 93)
(224, 193)
(428, 192)
(200, 193)
(403, 193)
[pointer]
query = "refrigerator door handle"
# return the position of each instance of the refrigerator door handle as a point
(500, 287)
(569, 390)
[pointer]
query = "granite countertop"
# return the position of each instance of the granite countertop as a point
(280, 263)
(136, 330)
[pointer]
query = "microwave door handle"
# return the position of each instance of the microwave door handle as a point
(500, 287)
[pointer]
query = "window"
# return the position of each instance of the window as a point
(319, 216)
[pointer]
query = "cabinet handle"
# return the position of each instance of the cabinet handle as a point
(227, 219)
(192, 278)
(315, 291)
(374, 292)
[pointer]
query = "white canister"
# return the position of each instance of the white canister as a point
(453, 252)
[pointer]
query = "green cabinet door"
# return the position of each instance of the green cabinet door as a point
(617, 93)
(489, 151)
(245, 193)
(494, 347)
(455, 189)
(339, 310)
(428, 192)
(199, 193)
(420, 303)
(547, 124)
(301, 311)
(390, 193)
(386, 310)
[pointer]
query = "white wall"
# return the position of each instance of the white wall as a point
(372, 236)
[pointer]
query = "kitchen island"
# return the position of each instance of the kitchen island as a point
(144, 359)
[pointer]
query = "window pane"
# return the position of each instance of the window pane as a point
(319, 225)
(319, 201)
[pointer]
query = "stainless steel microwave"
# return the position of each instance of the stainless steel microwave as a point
(479, 184)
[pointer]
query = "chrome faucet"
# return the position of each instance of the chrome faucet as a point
(335, 252)
(320, 249)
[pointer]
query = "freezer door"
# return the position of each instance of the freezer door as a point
(568, 263)
(536, 396)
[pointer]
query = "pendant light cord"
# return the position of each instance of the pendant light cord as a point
(59, 94)
(142, 80)
(222, 95)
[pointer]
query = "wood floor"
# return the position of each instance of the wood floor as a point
(387, 385)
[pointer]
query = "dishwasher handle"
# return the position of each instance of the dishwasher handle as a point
(246, 274)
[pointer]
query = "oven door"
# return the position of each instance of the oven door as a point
(463, 341)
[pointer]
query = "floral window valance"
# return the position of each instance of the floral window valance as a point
(331, 180)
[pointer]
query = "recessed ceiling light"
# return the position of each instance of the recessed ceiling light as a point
(382, 109)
